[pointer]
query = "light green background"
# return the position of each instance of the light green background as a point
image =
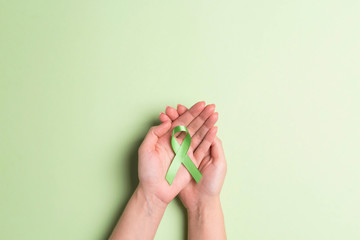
(82, 81)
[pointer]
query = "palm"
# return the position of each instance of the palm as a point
(158, 161)
(209, 185)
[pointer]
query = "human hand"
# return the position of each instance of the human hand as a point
(213, 168)
(148, 203)
(156, 154)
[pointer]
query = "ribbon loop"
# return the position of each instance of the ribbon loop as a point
(181, 156)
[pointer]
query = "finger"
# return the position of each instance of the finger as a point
(196, 124)
(164, 118)
(204, 146)
(186, 118)
(217, 152)
(154, 134)
(205, 161)
(201, 133)
(171, 113)
(181, 109)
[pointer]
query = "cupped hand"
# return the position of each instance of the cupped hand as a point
(156, 154)
(213, 168)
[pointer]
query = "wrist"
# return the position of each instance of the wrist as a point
(151, 202)
(141, 216)
(206, 221)
(204, 205)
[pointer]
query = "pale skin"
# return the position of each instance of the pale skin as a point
(146, 207)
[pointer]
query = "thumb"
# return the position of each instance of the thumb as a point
(154, 134)
(217, 152)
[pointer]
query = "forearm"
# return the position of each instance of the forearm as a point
(206, 221)
(140, 218)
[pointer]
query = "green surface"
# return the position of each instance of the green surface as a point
(82, 81)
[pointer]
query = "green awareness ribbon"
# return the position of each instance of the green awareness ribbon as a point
(181, 156)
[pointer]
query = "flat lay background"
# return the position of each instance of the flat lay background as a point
(82, 81)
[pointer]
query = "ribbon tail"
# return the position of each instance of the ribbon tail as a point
(190, 166)
(174, 167)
